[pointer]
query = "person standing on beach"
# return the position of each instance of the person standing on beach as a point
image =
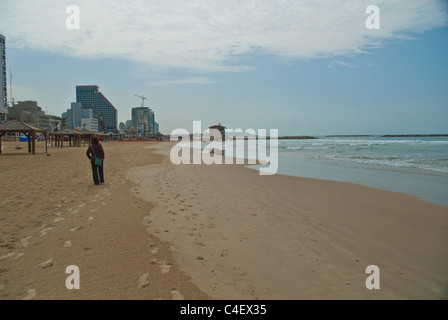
(96, 151)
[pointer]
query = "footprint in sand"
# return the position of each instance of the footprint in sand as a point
(46, 264)
(67, 243)
(164, 267)
(143, 281)
(19, 255)
(31, 294)
(224, 253)
(155, 250)
(176, 295)
(45, 231)
(26, 241)
(10, 254)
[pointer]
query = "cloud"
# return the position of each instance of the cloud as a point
(213, 35)
(190, 80)
(341, 63)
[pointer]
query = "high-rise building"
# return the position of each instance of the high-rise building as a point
(79, 117)
(90, 124)
(140, 116)
(143, 119)
(29, 111)
(63, 124)
(91, 97)
(73, 115)
(152, 122)
(3, 92)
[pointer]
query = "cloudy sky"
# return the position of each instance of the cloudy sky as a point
(300, 66)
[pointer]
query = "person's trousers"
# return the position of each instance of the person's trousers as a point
(97, 172)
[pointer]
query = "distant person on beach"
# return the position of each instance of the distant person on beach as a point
(95, 153)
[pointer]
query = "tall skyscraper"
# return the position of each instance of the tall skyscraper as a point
(77, 116)
(152, 122)
(3, 93)
(91, 97)
(143, 119)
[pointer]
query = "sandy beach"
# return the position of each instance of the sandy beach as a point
(159, 231)
(53, 216)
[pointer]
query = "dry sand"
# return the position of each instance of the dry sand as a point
(53, 216)
(159, 231)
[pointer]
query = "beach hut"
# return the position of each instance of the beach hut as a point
(29, 130)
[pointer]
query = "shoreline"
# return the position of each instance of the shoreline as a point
(283, 237)
(428, 184)
(430, 187)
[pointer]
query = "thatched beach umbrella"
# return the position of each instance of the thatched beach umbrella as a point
(28, 129)
(73, 136)
(87, 135)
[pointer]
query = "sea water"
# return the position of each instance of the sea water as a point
(412, 165)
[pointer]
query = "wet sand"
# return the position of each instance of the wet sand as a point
(240, 235)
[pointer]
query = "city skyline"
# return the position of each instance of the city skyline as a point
(306, 67)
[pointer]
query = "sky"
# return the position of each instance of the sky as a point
(309, 67)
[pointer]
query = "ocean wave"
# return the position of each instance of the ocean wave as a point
(396, 162)
(324, 142)
(424, 154)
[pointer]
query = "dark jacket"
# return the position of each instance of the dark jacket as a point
(97, 149)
